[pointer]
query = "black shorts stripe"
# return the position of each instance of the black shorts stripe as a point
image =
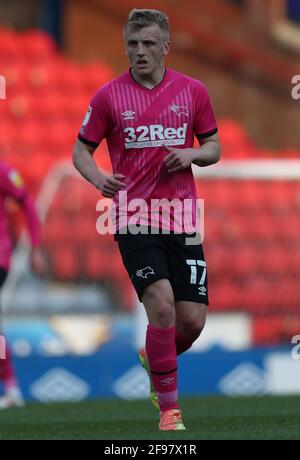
(87, 142)
(163, 373)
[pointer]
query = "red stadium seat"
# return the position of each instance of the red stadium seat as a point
(74, 108)
(95, 75)
(19, 107)
(95, 265)
(69, 78)
(58, 138)
(37, 46)
(64, 262)
(16, 75)
(9, 46)
(43, 78)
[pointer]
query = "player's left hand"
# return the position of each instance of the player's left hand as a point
(38, 262)
(177, 159)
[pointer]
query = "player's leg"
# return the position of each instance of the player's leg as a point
(12, 394)
(159, 303)
(142, 258)
(189, 283)
(190, 321)
(146, 263)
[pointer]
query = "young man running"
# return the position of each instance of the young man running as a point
(149, 116)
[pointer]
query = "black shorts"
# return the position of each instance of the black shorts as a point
(148, 258)
(3, 275)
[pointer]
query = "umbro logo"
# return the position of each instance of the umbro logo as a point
(202, 290)
(179, 110)
(128, 115)
(167, 381)
(58, 384)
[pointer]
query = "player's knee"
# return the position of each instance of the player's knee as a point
(165, 315)
(192, 330)
(192, 327)
(199, 326)
(160, 306)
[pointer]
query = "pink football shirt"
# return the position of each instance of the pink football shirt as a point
(11, 185)
(137, 122)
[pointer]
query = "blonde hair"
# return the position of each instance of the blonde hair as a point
(138, 19)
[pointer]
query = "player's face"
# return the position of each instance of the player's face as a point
(146, 50)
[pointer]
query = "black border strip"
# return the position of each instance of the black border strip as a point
(85, 141)
(163, 373)
(210, 133)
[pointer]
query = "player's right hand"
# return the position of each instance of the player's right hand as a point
(38, 262)
(112, 185)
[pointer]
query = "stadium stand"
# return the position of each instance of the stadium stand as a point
(252, 227)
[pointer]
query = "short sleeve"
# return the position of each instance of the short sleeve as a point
(205, 124)
(96, 123)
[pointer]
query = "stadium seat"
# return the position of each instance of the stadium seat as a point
(273, 330)
(96, 75)
(95, 265)
(9, 46)
(64, 262)
(36, 46)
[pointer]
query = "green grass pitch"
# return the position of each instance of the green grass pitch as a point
(221, 417)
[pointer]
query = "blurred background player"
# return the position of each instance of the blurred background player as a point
(12, 186)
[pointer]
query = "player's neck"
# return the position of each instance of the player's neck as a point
(149, 81)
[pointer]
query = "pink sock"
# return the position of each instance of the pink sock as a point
(183, 342)
(161, 355)
(7, 374)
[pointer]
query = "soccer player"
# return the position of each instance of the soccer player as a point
(11, 186)
(149, 116)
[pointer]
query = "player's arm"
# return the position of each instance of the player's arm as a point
(12, 185)
(210, 151)
(85, 164)
(37, 259)
(205, 129)
(180, 159)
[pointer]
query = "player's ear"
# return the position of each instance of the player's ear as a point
(166, 48)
